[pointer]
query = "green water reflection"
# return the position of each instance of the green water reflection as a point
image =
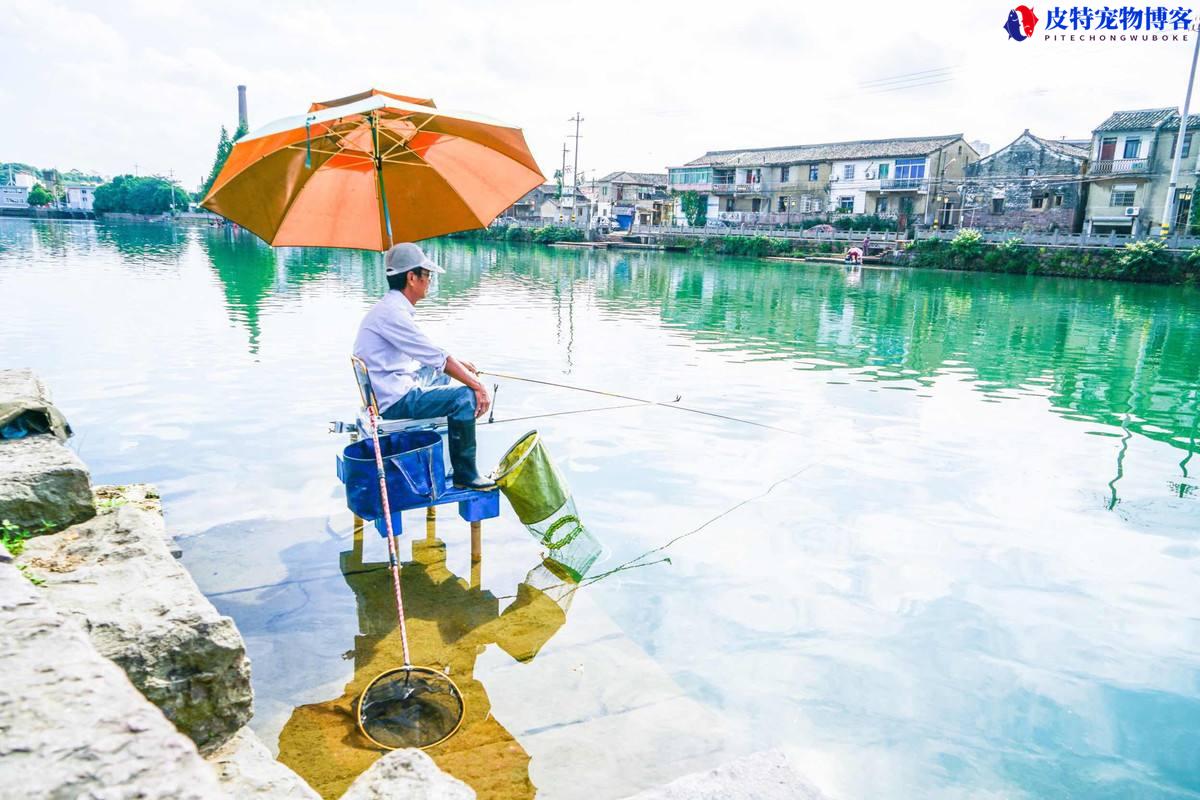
(980, 582)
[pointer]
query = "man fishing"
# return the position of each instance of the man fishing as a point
(408, 371)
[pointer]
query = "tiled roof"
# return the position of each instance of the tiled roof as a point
(1136, 120)
(1172, 123)
(638, 178)
(830, 151)
(1072, 148)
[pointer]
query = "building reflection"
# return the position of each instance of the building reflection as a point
(450, 623)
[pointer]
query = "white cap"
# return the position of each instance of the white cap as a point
(402, 257)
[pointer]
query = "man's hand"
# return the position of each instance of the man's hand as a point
(471, 367)
(482, 401)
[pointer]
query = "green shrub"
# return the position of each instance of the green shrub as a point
(863, 222)
(967, 246)
(557, 233)
(1147, 258)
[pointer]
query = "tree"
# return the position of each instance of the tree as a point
(224, 146)
(131, 195)
(38, 196)
(694, 210)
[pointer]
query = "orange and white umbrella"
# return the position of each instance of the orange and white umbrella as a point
(370, 170)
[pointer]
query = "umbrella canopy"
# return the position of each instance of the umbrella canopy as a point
(371, 169)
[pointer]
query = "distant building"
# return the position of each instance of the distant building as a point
(14, 196)
(1031, 184)
(1131, 158)
(80, 196)
(23, 179)
(543, 205)
(781, 185)
(628, 197)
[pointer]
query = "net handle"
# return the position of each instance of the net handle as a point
(393, 546)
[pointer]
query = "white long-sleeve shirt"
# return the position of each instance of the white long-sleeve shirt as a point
(395, 349)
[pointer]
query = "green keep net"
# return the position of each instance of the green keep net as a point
(530, 481)
(542, 500)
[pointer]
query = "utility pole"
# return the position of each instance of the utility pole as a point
(171, 186)
(575, 174)
(562, 181)
(1169, 207)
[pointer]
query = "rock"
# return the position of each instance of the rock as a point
(71, 724)
(246, 769)
(408, 774)
(43, 484)
(762, 776)
(141, 609)
(21, 383)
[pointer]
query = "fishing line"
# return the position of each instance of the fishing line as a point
(639, 561)
(565, 413)
(643, 401)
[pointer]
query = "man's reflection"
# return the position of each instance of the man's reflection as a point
(450, 622)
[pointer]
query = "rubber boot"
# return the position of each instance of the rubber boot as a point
(461, 438)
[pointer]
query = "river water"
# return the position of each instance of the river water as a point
(936, 535)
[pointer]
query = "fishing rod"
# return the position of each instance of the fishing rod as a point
(641, 400)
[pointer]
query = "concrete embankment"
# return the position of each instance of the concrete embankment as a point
(121, 679)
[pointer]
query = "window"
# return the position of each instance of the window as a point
(812, 172)
(1125, 195)
(784, 174)
(848, 172)
(756, 204)
(1058, 198)
(910, 169)
(1132, 145)
(1187, 144)
(846, 205)
(997, 205)
(691, 175)
(754, 176)
(604, 191)
(729, 204)
(881, 205)
(783, 204)
(883, 171)
(1030, 171)
(1038, 201)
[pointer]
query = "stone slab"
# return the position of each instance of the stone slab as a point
(409, 774)
(116, 576)
(762, 776)
(21, 382)
(43, 483)
(248, 771)
(71, 724)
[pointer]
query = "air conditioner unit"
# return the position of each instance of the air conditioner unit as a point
(1132, 211)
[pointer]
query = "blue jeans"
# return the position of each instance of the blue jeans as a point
(455, 402)
(458, 404)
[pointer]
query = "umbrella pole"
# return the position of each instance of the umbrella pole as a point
(387, 217)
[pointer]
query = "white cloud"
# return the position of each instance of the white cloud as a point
(150, 83)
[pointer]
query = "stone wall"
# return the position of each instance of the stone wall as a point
(1005, 174)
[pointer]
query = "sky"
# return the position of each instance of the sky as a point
(145, 85)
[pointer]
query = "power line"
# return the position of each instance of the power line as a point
(907, 76)
(910, 86)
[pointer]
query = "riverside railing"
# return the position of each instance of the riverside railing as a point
(854, 237)
(1059, 239)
